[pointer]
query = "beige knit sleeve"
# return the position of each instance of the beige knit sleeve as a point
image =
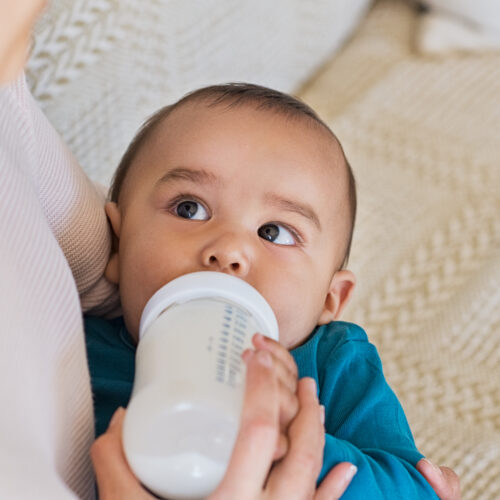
(74, 208)
(46, 420)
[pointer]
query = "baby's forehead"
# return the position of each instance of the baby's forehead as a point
(278, 112)
(314, 130)
(182, 124)
(321, 139)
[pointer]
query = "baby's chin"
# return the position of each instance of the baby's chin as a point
(293, 341)
(132, 324)
(290, 343)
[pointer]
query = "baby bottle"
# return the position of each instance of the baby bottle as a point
(184, 412)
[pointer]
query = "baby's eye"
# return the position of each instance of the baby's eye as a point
(191, 209)
(277, 234)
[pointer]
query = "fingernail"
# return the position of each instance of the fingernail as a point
(310, 383)
(351, 471)
(322, 414)
(434, 467)
(264, 358)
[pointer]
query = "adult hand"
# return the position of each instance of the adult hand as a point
(294, 477)
(443, 480)
(17, 18)
(287, 373)
(115, 480)
(250, 475)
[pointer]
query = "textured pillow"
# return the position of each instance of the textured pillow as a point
(100, 67)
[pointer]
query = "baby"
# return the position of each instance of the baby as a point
(248, 181)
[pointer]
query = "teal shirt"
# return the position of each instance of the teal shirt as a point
(364, 421)
(111, 357)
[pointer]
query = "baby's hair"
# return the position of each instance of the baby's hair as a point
(235, 94)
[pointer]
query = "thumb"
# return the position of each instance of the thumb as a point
(114, 478)
(443, 480)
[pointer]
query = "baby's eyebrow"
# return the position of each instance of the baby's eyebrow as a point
(294, 206)
(198, 176)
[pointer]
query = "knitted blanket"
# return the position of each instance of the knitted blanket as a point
(423, 137)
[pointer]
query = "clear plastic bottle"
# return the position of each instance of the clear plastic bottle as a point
(184, 413)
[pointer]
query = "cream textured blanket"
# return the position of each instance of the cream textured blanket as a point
(423, 136)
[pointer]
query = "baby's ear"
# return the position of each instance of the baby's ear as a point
(112, 271)
(339, 293)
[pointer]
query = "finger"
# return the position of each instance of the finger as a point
(336, 482)
(281, 447)
(452, 489)
(443, 480)
(305, 454)
(289, 406)
(290, 371)
(256, 442)
(106, 451)
(113, 475)
(287, 391)
(281, 362)
(274, 347)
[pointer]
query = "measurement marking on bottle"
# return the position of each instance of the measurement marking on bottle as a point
(234, 326)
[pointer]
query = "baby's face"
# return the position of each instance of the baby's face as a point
(241, 191)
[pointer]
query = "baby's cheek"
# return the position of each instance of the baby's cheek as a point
(299, 323)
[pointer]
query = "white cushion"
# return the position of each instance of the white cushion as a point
(441, 33)
(484, 13)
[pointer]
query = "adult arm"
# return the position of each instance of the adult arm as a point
(16, 21)
(46, 425)
(47, 422)
(73, 206)
(74, 209)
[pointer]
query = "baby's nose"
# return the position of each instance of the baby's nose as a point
(229, 253)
